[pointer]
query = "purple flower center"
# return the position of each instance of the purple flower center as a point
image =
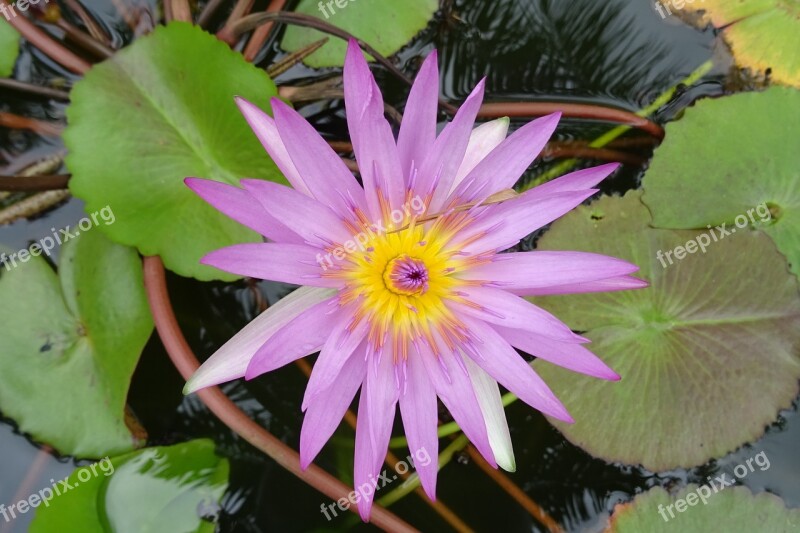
(406, 275)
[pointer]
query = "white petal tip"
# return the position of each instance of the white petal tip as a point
(507, 466)
(192, 386)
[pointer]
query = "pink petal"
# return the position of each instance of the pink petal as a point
(418, 129)
(500, 361)
(381, 393)
(505, 309)
(419, 410)
(621, 283)
(576, 181)
(239, 205)
(568, 355)
(264, 127)
(438, 171)
(304, 335)
(341, 344)
(505, 164)
(230, 362)
(503, 225)
(325, 413)
(454, 387)
(533, 270)
(326, 175)
(365, 472)
(482, 141)
(373, 141)
(290, 263)
(313, 221)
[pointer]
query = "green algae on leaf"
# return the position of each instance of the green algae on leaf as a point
(707, 354)
(157, 112)
(70, 344)
(377, 22)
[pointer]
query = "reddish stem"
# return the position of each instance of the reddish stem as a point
(84, 40)
(515, 492)
(261, 34)
(241, 9)
(177, 10)
(10, 120)
(187, 364)
(557, 151)
(46, 44)
(594, 112)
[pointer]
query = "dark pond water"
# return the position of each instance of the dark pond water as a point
(616, 52)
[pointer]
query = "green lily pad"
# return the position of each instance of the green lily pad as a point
(732, 509)
(763, 34)
(707, 353)
(70, 344)
(167, 489)
(9, 48)
(160, 110)
(729, 156)
(381, 24)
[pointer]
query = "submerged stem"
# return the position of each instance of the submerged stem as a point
(612, 134)
(413, 481)
(229, 413)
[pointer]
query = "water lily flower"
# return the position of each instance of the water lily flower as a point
(405, 293)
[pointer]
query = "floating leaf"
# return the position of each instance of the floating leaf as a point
(156, 489)
(763, 34)
(70, 344)
(724, 158)
(9, 48)
(732, 509)
(707, 353)
(379, 23)
(160, 110)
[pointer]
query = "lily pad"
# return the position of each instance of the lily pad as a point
(70, 344)
(157, 112)
(763, 34)
(378, 22)
(707, 353)
(732, 509)
(170, 488)
(726, 158)
(9, 48)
